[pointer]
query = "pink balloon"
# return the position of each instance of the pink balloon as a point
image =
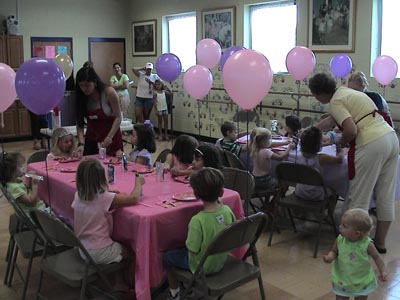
(7, 87)
(384, 69)
(197, 81)
(300, 61)
(247, 77)
(208, 53)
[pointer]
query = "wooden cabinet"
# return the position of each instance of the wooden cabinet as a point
(11, 50)
(17, 121)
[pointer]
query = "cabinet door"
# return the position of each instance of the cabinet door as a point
(10, 122)
(15, 52)
(24, 120)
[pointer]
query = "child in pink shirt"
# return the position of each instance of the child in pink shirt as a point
(93, 222)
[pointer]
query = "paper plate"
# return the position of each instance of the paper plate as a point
(182, 179)
(68, 160)
(188, 196)
(143, 170)
(112, 161)
(68, 170)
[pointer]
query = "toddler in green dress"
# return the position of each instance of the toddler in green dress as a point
(352, 272)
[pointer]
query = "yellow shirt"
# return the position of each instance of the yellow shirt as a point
(346, 103)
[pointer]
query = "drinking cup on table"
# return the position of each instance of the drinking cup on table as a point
(159, 171)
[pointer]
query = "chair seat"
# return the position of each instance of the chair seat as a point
(69, 267)
(293, 201)
(234, 273)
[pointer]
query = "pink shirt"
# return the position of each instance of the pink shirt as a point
(93, 222)
(262, 162)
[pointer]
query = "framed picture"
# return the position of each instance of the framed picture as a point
(331, 25)
(219, 25)
(144, 38)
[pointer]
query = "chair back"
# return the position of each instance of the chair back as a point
(162, 156)
(37, 156)
(306, 122)
(239, 233)
(296, 173)
(233, 160)
(54, 229)
(240, 181)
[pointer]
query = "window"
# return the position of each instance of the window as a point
(389, 18)
(273, 31)
(181, 38)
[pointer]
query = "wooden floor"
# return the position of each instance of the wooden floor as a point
(288, 269)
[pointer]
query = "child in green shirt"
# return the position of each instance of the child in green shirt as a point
(208, 186)
(352, 272)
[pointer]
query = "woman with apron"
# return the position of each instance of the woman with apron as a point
(373, 153)
(98, 104)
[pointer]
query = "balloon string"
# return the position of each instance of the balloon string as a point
(247, 163)
(2, 120)
(198, 115)
(383, 91)
(298, 97)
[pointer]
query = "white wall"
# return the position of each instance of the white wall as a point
(78, 19)
(81, 19)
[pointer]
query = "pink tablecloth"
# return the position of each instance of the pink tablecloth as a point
(149, 229)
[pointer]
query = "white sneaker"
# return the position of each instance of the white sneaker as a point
(176, 297)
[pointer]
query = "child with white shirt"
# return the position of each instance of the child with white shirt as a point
(160, 103)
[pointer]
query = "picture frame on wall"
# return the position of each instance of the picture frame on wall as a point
(144, 38)
(331, 25)
(219, 25)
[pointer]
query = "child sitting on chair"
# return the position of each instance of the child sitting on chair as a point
(292, 125)
(207, 155)
(208, 186)
(228, 142)
(11, 172)
(179, 160)
(62, 144)
(310, 145)
(261, 155)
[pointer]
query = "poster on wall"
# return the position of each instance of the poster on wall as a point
(219, 25)
(144, 38)
(331, 25)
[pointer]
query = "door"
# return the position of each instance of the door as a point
(104, 52)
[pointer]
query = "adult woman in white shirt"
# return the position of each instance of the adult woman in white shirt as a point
(144, 93)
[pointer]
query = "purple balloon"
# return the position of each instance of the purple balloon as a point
(227, 53)
(341, 65)
(40, 84)
(168, 66)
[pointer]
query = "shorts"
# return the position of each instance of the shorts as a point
(107, 255)
(162, 112)
(144, 102)
(265, 182)
(178, 258)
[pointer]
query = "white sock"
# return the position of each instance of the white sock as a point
(174, 291)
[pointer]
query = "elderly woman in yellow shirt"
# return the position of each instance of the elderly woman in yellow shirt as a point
(374, 149)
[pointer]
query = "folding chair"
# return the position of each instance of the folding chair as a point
(68, 266)
(242, 182)
(233, 160)
(37, 156)
(290, 174)
(25, 238)
(162, 156)
(235, 272)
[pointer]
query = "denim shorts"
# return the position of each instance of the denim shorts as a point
(178, 258)
(162, 112)
(144, 102)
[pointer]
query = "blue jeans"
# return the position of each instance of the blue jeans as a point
(178, 258)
